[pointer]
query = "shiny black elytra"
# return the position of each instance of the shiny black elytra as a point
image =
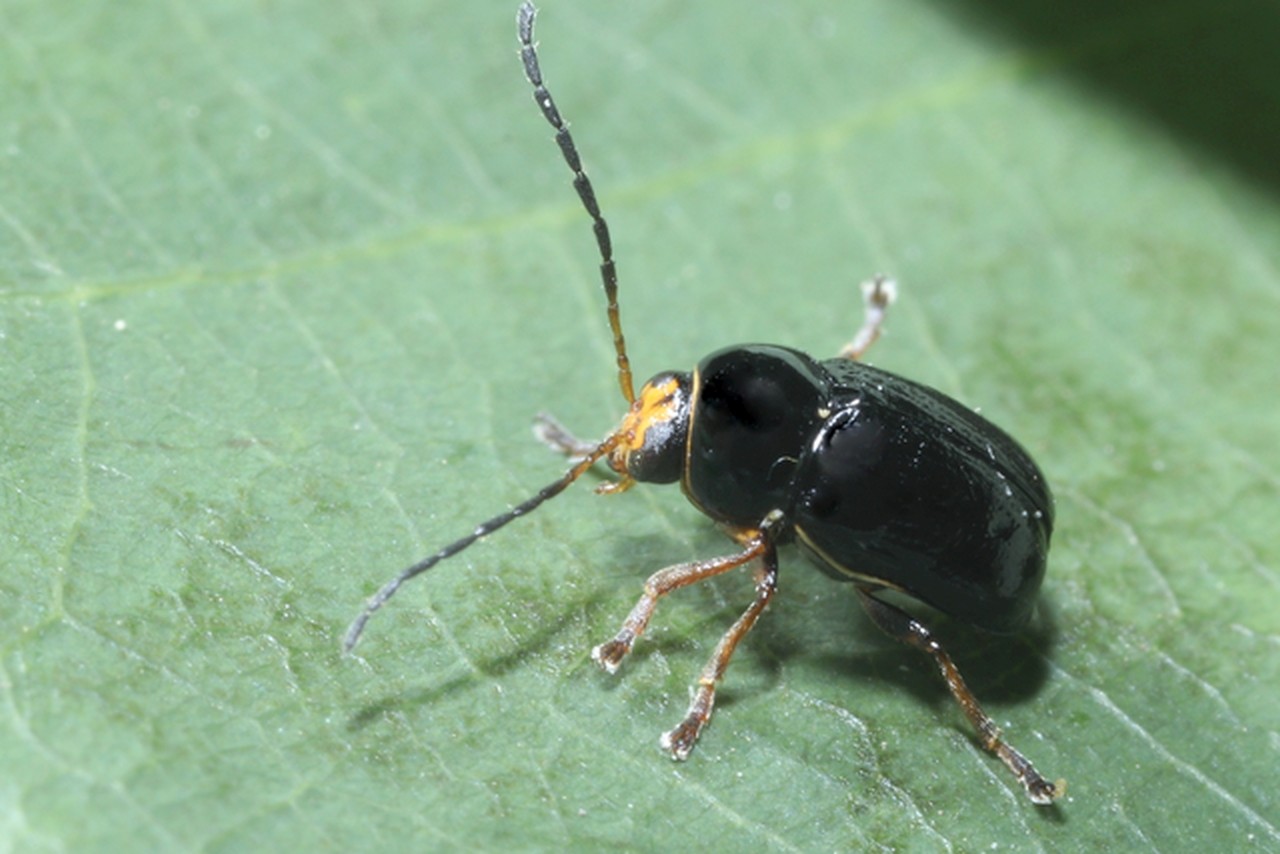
(881, 481)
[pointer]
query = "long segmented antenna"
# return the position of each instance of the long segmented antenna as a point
(483, 530)
(581, 183)
(608, 276)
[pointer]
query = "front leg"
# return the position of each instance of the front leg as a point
(559, 438)
(757, 543)
(550, 432)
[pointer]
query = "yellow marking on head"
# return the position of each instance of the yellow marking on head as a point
(657, 404)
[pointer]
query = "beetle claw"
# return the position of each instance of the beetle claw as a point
(614, 487)
(1043, 793)
(609, 655)
(680, 741)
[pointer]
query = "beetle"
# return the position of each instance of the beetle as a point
(880, 481)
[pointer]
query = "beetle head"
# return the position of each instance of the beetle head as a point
(651, 437)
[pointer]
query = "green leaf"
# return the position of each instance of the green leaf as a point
(282, 284)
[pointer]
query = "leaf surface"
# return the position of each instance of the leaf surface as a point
(281, 286)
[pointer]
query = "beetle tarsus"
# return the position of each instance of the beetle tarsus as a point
(679, 741)
(878, 293)
(609, 655)
(1042, 792)
(550, 432)
(614, 487)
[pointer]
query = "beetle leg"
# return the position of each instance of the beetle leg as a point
(900, 625)
(609, 655)
(558, 438)
(550, 432)
(757, 543)
(680, 740)
(878, 294)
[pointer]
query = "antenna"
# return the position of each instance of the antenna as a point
(608, 276)
(581, 183)
(482, 530)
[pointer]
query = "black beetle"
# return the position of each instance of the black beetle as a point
(880, 480)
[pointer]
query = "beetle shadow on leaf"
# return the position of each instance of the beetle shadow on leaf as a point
(1000, 669)
(1205, 71)
(462, 675)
